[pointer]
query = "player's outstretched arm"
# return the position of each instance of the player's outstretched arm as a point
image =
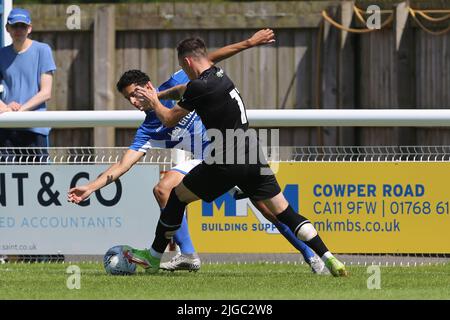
(174, 93)
(168, 117)
(263, 36)
(81, 193)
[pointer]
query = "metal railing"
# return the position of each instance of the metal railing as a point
(166, 157)
(257, 118)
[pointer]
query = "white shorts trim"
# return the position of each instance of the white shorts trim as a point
(186, 166)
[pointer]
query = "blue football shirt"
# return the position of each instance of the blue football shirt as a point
(189, 134)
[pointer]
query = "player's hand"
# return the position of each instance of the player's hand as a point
(14, 106)
(263, 36)
(78, 194)
(148, 97)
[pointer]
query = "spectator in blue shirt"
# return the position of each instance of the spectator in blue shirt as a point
(26, 73)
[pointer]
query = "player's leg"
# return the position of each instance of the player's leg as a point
(202, 182)
(169, 222)
(162, 192)
(316, 264)
(187, 259)
(205, 182)
(305, 231)
(265, 188)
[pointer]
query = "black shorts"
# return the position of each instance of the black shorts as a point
(209, 181)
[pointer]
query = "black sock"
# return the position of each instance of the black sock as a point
(169, 222)
(317, 245)
(163, 235)
(293, 220)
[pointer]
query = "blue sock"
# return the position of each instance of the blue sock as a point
(297, 243)
(183, 239)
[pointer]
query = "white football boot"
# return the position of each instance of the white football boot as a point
(182, 262)
(318, 266)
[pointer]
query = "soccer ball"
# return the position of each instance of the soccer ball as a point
(115, 262)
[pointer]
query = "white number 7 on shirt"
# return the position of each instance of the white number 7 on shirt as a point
(235, 95)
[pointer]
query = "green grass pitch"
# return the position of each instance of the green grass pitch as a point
(223, 281)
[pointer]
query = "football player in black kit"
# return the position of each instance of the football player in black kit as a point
(231, 160)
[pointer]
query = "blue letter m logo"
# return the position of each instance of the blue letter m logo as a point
(290, 193)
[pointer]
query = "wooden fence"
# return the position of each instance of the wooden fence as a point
(299, 71)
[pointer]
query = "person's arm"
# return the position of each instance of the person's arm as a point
(114, 172)
(3, 107)
(263, 36)
(168, 117)
(174, 93)
(44, 94)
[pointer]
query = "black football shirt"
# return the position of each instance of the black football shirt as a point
(218, 103)
(216, 100)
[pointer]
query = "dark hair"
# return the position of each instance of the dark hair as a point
(192, 46)
(130, 77)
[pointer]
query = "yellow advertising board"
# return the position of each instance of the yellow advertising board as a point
(357, 207)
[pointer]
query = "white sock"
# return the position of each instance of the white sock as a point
(327, 255)
(155, 254)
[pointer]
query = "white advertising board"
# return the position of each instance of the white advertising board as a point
(35, 217)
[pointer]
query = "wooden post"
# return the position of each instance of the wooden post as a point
(406, 52)
(104, 67)
(401, 16)
(346, 19)
(345, 69)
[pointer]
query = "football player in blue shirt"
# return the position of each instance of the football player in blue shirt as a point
(152, 134)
